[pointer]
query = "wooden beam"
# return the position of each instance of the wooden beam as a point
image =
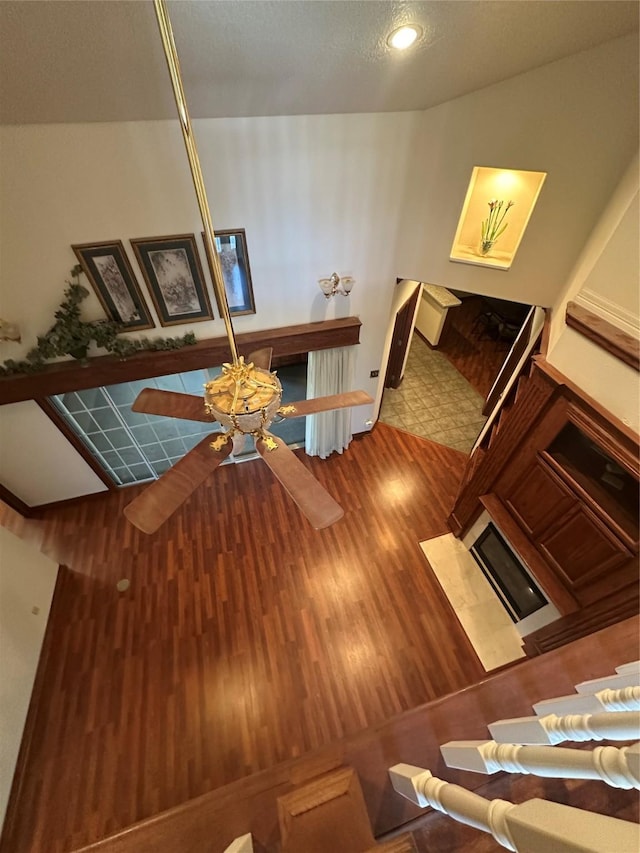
(14, 502)
(110, 370)
(612, 339)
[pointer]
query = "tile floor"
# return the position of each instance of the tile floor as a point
(434, 400)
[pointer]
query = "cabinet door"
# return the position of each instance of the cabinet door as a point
(539, 499)
(581, 548)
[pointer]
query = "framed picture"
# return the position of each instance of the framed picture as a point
(234, 260)
(172, 271)
(108, 269)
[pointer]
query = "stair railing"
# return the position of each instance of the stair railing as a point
(607, 709)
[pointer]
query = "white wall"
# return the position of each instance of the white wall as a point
(608, 380)
(612, 288)
(576, 119)
(37, 463)
(608, 264)
(314, 193)
(27, 579)
(373, 196)
(605, 280)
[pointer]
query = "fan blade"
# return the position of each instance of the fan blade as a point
(161, 499)
(324, 404)
(312, 499)
(171, 404)
(262, 358)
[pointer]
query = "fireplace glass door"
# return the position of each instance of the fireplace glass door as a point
(504, 571)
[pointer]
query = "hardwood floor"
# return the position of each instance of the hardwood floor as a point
(245, 638)
(477, 356)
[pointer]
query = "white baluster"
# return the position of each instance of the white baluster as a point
(626, 699)
(526, 828)
(607, 763)
(419, 786)
(610, 682)
(633, 666)
(244, 844)
(615, 725)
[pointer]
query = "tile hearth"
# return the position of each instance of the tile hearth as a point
(479, 610)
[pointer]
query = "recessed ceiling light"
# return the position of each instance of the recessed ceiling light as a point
(404, 37)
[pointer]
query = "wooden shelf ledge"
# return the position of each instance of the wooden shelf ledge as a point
(102, 370)
(612, 339)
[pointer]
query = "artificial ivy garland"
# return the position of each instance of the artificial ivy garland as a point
(71, 335)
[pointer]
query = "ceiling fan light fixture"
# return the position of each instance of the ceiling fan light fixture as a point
(244, 398)
(403, 37)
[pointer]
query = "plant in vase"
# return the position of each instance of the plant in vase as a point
(494, 225)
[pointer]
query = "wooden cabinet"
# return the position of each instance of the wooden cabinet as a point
(580, 547)
(576, 498)
(538, 498)
(560, 475)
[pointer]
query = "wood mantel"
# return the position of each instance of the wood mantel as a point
(614, 340)
(109, 369)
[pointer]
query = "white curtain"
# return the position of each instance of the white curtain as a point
(329, 371)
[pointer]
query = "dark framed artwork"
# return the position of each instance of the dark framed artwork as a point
(172, 271)
(234, 260)
(108, 269)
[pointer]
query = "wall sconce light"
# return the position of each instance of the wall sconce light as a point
(335, 284)
(9, 331)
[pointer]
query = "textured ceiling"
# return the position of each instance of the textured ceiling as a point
(90, 60)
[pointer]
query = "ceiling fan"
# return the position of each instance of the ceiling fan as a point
(245, 398)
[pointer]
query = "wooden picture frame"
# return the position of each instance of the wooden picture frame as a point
(234, 261)
(171, 268)
(107, 267)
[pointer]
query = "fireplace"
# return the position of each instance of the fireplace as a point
(506, 574)
(519, 592)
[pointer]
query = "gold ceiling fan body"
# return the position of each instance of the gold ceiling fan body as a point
(245, 398)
